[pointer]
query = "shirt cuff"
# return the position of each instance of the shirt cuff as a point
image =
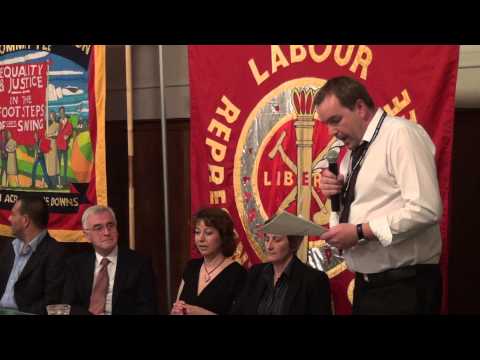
(381, 230)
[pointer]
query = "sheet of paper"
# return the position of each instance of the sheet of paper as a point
(288, 224)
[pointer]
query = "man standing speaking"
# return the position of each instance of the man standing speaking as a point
(390, 203)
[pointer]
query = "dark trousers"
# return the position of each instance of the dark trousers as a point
(409, 290)
(40, 160)
(63, 155)
(4, 170)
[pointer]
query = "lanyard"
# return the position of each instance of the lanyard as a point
(362, 156)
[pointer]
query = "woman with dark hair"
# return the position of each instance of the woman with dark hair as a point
(211, 284)
(284, 285)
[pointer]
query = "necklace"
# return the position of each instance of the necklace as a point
(207, 273)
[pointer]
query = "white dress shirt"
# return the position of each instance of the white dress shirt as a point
(22, 256)
(111, 269)
(397, 193)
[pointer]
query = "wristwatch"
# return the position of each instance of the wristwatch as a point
(361, 238)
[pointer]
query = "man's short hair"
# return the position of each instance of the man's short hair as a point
(35, 207)
(347, 91)
(96, 209)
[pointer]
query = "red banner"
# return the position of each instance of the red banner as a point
(52, 131)
(23, 100)
(256, 146)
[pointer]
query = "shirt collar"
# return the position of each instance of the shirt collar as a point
(18, 245)
(372, 125)
(112, 257)
(268, 270)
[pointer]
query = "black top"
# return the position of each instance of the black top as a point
(308, 291)
(220, 293)
(273, 298)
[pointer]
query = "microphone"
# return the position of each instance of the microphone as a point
(332, 156)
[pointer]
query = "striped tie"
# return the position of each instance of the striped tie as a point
(99, 293)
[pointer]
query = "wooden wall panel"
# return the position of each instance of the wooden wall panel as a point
(148, 178)
(464, 272)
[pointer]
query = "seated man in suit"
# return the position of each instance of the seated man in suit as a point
(32, 266)
(110, 280)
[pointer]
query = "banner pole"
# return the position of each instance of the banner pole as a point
(165, 179)
(131, 188)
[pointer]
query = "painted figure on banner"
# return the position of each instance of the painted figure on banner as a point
(3, 157)
(12, 166)
(41, 146)
(63, 144)
(51, 156)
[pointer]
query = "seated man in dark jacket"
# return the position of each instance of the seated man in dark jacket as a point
(284, 285)
(110, 280)
(32, 265)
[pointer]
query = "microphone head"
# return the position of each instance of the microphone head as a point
(332, 156)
